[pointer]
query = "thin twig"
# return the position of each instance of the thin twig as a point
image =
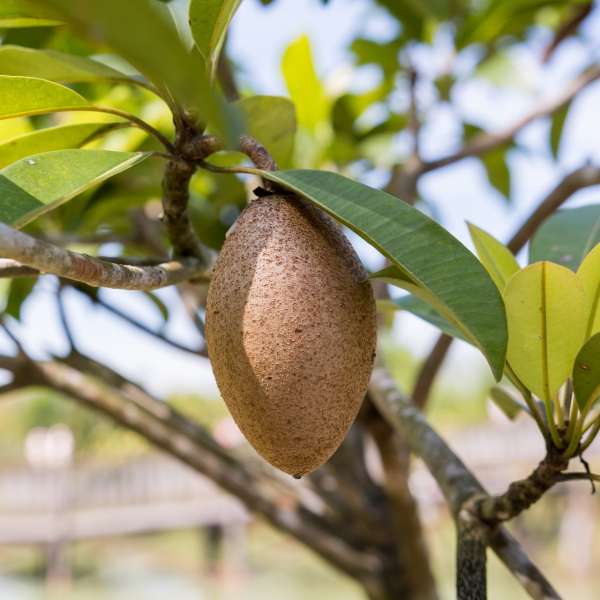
(124, 115)
(567, 29)
(48, 258)
(142, 327)
(488, 141)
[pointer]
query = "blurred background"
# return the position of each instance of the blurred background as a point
(88, 510)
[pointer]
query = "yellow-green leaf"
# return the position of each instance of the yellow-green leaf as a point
(52, 138)
(589, 273)
(498, 260)
(304, 87)
(52, 65)
(272, 121)
(545, 309)
(209, 20)
(30, 96)
(40, 183)
(19, 13)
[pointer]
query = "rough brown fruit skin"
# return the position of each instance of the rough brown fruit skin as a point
(290, 330)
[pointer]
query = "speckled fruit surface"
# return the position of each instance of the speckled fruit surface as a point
(291, 332)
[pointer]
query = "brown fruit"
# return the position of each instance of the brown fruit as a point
(290, 330)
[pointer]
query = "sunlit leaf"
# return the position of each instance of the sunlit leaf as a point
(427, 255)
(272, 121)
(545, 308)
(304, 86)
(589, 274)
(144, 33)
(498, 260)
(29, 96)
(19, 13)
(209, 20)
(567, 236)
(56, 66)
(52, 138)
(40, 183)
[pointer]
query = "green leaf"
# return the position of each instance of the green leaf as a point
(498, 260)
(586, 373)
(272, 121)
(38, 184)
(432, 259)
(506, 402)
(159, 305)
(18, 292)
(29, 96)
(52, 138)
(497, 170)
(558, 121)
(209, 20)
(426, 312)
(567, 236)
(56, 66)
(144, 33)
(546, 322)
(19, 13)
(304, 87)
(589, 275)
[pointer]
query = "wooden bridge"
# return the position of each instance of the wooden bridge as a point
(152, 493)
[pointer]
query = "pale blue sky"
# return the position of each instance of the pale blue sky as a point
(460, 193)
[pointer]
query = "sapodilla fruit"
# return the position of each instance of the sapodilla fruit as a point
(290, 330)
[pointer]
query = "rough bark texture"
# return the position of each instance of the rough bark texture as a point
(471, 570)
(48, 258)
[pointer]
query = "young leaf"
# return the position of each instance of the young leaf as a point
(304, 87)
(29, 96)
(589, 274)
(40, 183)
(432, 259)
(545, 309)
(272, 121)
(209, 20)
(506, 402)
(586, 373)
(498, 260)
(56, 66)
(423, 310)
(567, 236)
(52, 138)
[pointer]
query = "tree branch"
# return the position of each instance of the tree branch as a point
(471, 559)
(523, 493)
(488, 141)
(585, 176)
(457, 483)
(567, 29)
(142, 327)
(47, 258)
